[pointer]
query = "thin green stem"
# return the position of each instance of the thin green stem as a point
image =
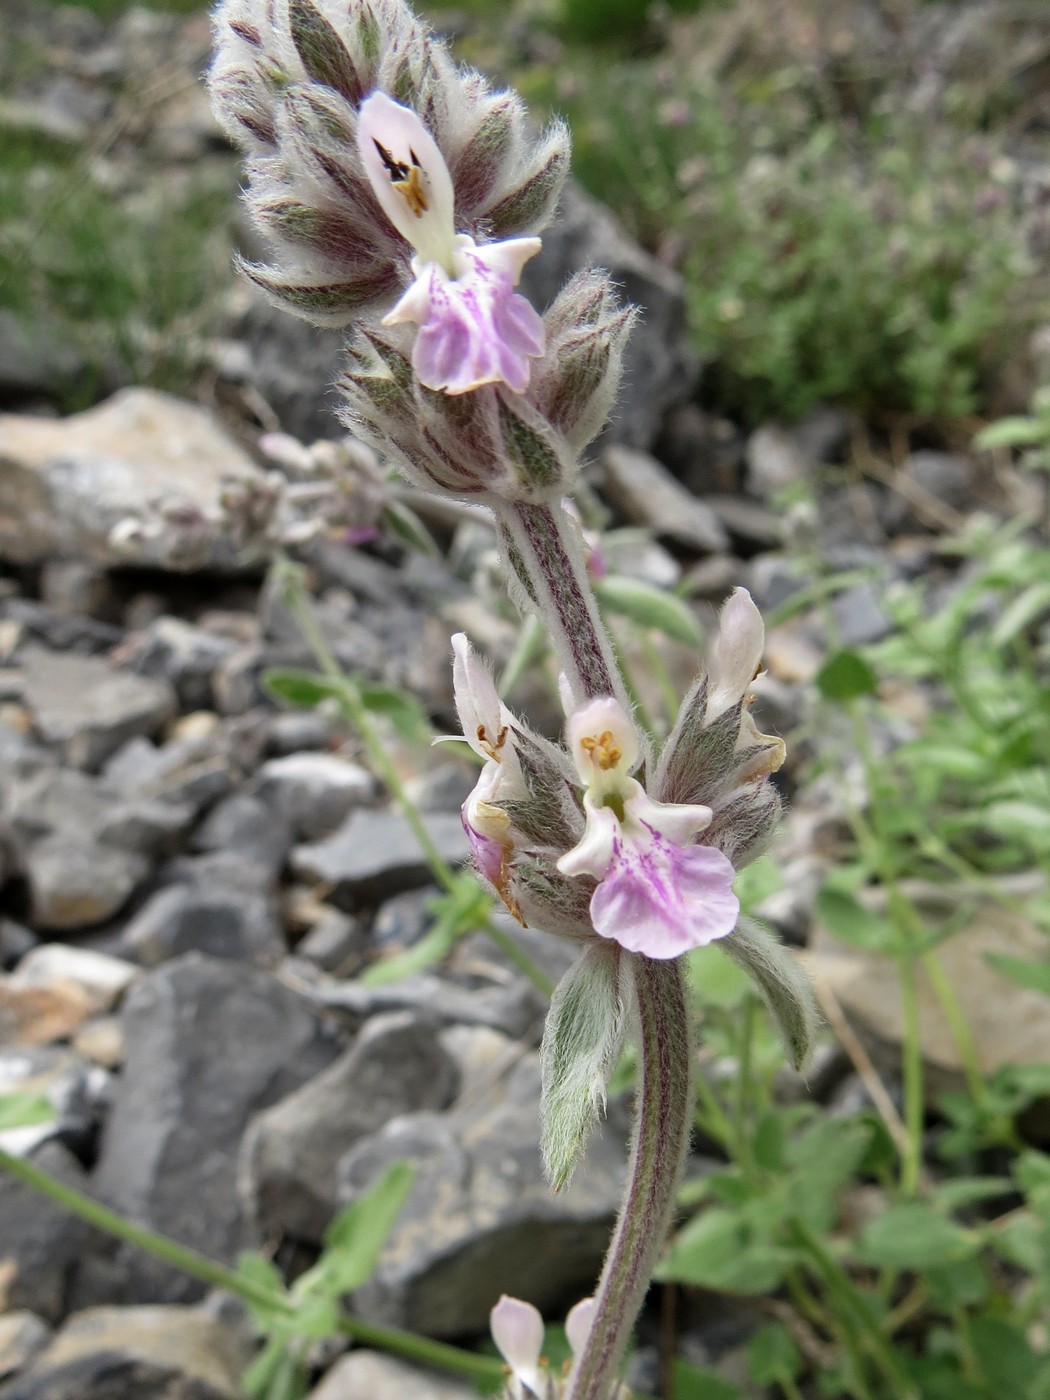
(357, 712)
(911, 1067)
(855, 1313)
(661, 1134)
(189, 1261)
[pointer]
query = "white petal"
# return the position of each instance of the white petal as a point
(679, 822)
(578, 1323)
(420, 205)
(603, 742)
(477, 700)
(737, 652)
(517, 1330)
(594, 853)
(508, 257)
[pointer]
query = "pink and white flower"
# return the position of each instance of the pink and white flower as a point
(736, 660)
(658, 892)
(474, 328)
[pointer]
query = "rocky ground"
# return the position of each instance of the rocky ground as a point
(191, 876)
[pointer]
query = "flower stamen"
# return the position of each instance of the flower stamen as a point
(406, 179)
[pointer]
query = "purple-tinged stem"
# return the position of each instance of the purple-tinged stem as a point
(542, 547)
(663, 1119)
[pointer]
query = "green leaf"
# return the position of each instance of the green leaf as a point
(275, 1374)
(784, 986)
(696, 1383)
(772, 1356)
(1009, 1364)
(306, 689)
(846, 676)
(1019, 821)
(649, 607)
(1035, 976)
(957, 1285)
(969, 1190)
(403, 711)
(823, 1160)
(718, 1249)
(913, 1236)
(582, 1040)
(843, 915)
(356, 1236)
(1012, 432)
(402, 521)
(24, 1110)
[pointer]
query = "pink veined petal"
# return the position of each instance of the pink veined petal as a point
(474, 330)
(663, 900)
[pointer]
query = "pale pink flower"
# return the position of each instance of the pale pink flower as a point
(658, 892)
(517, 1330)
(474, 328)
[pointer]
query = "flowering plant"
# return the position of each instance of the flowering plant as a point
(403, 197)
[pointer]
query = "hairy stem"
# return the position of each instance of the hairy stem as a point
(663, 1117)
(542, 548)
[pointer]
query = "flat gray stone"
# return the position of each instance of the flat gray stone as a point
(88, 708)
(314, 792)
(137, 480)
(75, 884)
(23, 1336)
(221, 923)
(375, 854)
(291, 1151)
(480, 1219)
(647, 494)
(209, 1044)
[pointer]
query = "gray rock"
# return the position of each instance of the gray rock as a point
(314, 792)
(23, 1335)
(246, 825)
(89, 708)
(369, 1375)
(403, 919)
(191, 771)
(375, 854)
(183, 655)
(40, 1244)
(510, 1006)
(75, 884)
(859, 615)
(748, 523)
(151, 827)
(209, 1044)
(221, 923)
(138, 480)
(774, 461)
(141, 1353)
(660, 368)
(937, 479)
(480, 1219)
(293, 366)
(647, 494)
(704, 452)
(336, 943)
(291, 1151)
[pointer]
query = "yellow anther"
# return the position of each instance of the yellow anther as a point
(603, 751)
(487, 745)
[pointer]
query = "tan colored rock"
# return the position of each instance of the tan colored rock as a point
(1008, 1024)
(368, 1375)
(137, 480)
(41, 1015)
